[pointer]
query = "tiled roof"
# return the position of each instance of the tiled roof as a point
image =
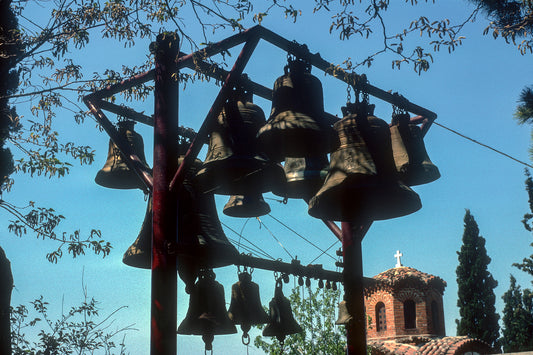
(454, 345)
(404, 276)
(391, 347)
(432, 346)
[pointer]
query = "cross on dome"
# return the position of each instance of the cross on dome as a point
(397, 256)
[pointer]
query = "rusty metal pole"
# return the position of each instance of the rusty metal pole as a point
(352, 236)
(164, 278)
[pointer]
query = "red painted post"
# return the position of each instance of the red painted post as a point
(352, 236)
(164, 278)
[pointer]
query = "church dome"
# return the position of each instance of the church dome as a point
(403, 276)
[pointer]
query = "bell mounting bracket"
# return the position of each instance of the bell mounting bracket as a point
(168, 63)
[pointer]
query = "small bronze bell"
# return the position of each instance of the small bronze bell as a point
(344, 316)
(233, 165)
(410, 155)
(115, 174)
(362, 181)
(139, 253)
(207, 315)
(252, 205)
(305, 176)
(245, 307)
(282, 321)
(296, 127)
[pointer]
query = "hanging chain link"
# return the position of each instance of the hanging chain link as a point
(246, 339)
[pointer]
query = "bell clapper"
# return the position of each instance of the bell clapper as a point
(281, 339)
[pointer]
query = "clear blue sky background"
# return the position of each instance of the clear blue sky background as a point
(473, 90)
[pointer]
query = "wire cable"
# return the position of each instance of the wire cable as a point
(331, 246)
(483, 145)
(276, 239)
(260, 251)
(299, 235)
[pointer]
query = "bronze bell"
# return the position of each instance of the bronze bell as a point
(304, 176)
(344, 316)
(115, 174)
(296, 127)
(410, 155)
(282, 321)
(207, 314)
(201, 240)
(139, 253)
(245, 307)
(252, 205)
(233, 165)
(362, 181)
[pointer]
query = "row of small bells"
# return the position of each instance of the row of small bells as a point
(207, 315)
(372, 166)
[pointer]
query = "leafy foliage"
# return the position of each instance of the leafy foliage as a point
(44, 221)
(81, 331)
(511, 20)
(315, 313)
(517, 319)
(476, 299)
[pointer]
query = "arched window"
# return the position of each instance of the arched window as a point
(435, 317)
(409, 314)
(381, 318)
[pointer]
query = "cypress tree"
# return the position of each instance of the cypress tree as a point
(476, 299)
(517, 319)
(527, 263)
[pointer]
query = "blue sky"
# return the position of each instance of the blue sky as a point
(473, 90)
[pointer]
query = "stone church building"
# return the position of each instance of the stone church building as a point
(407, 316)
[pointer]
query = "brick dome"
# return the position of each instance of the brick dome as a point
(404, 276)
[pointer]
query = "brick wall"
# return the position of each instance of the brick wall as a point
(394, 311)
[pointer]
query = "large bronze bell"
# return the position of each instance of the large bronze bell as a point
(246, 206)
(201, 242)
(282, 321)
(304, 176)
(362, 181)
(410, 155)
(233, 165)
(296, 127)
(116, 174)
(207, 314)
(245, 307)
(344, 316)
(139, 253)
(201, 239)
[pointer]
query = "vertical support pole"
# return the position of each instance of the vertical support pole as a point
(164, 278)
(352, 236)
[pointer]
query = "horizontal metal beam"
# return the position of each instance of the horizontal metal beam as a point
(195, 61)
(336, 71)
(297, 269)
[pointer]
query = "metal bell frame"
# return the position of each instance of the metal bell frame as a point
(166, 178)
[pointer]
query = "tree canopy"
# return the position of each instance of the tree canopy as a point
(315, 312)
